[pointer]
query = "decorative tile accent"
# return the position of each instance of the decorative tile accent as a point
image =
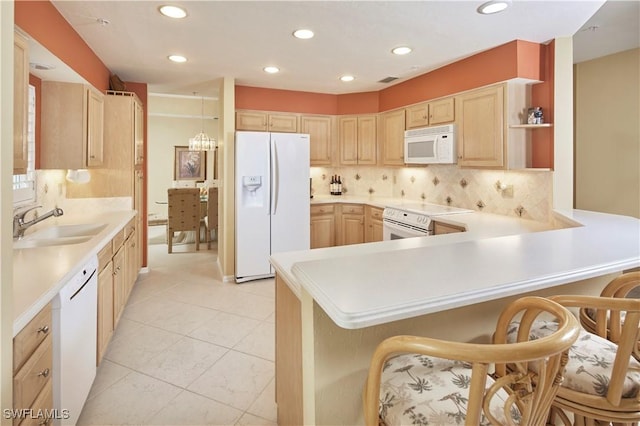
(412, 179)
(480, 205)
(519, 210)
(371, 190)
(423, 197)
(402, 193)
(463, 183)
(384, 177)
(357, 176)
(448, 200)
(435, 180)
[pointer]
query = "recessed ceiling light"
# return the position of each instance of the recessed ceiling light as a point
(177, 58)
(271, 70)
(303, 34)
(401, 50)
(172, 11)
(493, 6)
(347, 78)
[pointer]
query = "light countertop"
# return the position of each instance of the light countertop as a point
(40, 273)
(369, 284)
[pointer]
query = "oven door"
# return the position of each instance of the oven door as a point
(392, 230)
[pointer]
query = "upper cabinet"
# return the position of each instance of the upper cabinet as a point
(138, 132)
(71, 126)
(319, 128)
(266, 122)
(430, 113)
(358, 136)
(391, 137)
(20, 103)
(481, 127)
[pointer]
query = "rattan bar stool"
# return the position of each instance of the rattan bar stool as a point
(184, 213)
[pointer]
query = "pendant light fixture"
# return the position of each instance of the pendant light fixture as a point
(202, 141)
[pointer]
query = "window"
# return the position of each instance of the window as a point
(24, 186)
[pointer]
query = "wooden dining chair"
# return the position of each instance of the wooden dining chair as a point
(419, 380)
(211, 221)
(602, 378)
(184, 213)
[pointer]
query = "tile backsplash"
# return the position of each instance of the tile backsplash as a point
(513, 193)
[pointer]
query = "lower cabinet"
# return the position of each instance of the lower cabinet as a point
(372, 224)
(351, 225)
(339, 224)
(323, 226)
(440, 228)
(118, 270)
(33, 369)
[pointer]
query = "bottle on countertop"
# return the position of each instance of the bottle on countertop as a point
(332, 185)
(339, 192)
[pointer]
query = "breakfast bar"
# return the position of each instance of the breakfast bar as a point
(334, 305)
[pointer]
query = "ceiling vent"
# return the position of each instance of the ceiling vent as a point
(388, 79)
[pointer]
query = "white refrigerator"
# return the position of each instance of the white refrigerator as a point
(272, 199)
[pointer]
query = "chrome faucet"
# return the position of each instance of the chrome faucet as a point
(19, 225)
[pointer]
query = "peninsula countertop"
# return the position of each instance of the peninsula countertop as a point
(369, 284)
(40, 273)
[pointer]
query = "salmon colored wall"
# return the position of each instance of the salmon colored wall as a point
(42, 21)
(37, 83)
(542, 95)
(285, 100)
(531, 60)
(358, 103)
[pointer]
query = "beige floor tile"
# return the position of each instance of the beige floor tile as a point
(271, 318)
(107, 374)
(265, 405)
(251, 420)
(266, 287)
(225, 329)
(131, 400)
(183, 362)
(138, 347)
(192, 409)
(125, 328)
(236, 379)
(260, 342)
(144, 289)
(163, 312)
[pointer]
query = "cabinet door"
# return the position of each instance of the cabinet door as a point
(373, 224)
(441, 111)
(392, 134)
(417, 115)
(440, 228)
(138, 133)
(138, 206)
(20, 103)
(348, 136)
(119, 286)
(95, 128)
(319, 129)
(255, 121)
(105, 309)
(352, 229)
(286, 123)
(367, 140)
(131, 262)
(323, 231)
(376, 233)
(481, 128)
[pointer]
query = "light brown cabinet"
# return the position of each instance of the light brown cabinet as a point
(266, 122)
(71, 126)
(105, 308)
(323, 226)
(20, 103)
(391, 131)
(319, 128)
(440, 228)
(138, 132)
(119, 284)
(358, 140)
(481, 127)
(351, 226)
(430, 113)
(373, 224)
(33, 364)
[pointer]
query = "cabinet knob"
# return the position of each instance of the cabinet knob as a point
(44, 373)
(93, 156)
(44, 329)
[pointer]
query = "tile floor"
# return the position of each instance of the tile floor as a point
(189, 349)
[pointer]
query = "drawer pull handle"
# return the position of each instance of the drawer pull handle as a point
(44, 373)
(44, 329)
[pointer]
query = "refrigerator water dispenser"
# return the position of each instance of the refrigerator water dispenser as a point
(252, 191)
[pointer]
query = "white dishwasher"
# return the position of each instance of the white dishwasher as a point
(75, 316)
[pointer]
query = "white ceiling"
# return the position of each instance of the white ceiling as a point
(238, 38)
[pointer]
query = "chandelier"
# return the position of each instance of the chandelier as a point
(202, 141)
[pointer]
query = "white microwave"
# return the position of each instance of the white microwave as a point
(430, 145)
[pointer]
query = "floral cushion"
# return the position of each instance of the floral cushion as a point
(424, 390)
(590, 362)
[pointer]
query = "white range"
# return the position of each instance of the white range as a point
(413, 219)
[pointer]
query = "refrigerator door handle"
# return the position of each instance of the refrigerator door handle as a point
(274, 178)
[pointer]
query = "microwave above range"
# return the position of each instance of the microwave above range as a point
(430, 145)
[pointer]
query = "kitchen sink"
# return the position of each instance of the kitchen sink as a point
(60, 235)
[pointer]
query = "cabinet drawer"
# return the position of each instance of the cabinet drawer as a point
(43, 404)
(375, 213)
(118, 240)
(322, 209)
(104, 256)
(131, 226)
(352, 209)
(33, 376)
(31, 336)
